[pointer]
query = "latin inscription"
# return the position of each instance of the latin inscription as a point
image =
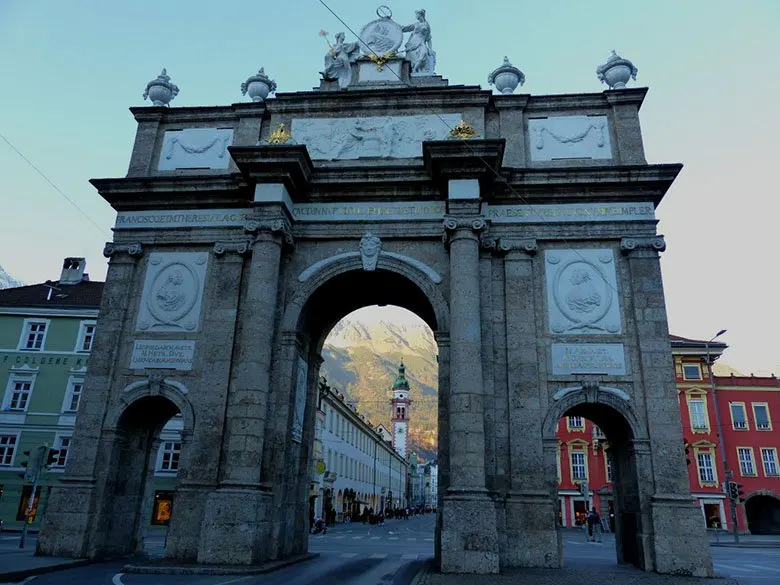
(367, 211)
(176, 355)
(561, 213)
(588, 358)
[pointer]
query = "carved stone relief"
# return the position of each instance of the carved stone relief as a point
(569, 137)
(370, 247)
(196, 148)
(374, 137)
(173, 292)
(582, 291)
(300, 400)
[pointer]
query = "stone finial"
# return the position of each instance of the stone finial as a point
(616, 71)
(506, 78)
(161, 91)
(258, 86)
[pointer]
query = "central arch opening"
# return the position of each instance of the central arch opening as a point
(375, 446)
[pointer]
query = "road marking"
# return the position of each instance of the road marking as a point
(117, 579)
(733, 568)
(409, 557)
(411, 539)
(764, 567)
(235, 580)
(378, 556)
(393, 538)
(429, 539)
(337, 537)
(348, 555)
(356, 537)
(374, 538)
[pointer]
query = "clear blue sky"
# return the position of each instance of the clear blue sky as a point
(70, 69)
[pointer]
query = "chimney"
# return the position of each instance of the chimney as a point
(73, 271)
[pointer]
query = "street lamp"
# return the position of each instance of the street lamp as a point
(721, 441)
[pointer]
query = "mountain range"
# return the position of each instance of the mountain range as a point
(7, 281)
(361, 358)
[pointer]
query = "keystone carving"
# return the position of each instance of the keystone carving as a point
(633, 244)
(242, 248)
(135, 250)
(370, 247)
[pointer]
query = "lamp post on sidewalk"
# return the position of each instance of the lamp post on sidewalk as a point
(721, 440)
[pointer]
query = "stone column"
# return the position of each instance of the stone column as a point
(511, 109)
(679, 538)
(69, 521)
(469, 536)
(625, 119)
(236, 521)
(532, 539)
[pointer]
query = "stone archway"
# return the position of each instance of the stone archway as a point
(762, 509)
(611, 410)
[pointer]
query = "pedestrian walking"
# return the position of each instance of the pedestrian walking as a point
(594, 526)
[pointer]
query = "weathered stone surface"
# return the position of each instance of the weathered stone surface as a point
(282, 270)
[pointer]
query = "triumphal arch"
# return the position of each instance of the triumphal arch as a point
(520, 227)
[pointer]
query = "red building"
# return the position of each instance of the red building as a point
(748, 438)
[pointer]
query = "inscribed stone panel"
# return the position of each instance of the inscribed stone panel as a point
(561, 137)
(196, 148)
(582, 291)
(173, 291)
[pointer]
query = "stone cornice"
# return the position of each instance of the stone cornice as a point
(581, 101)
(199, 114)
(633, 95)
(402, 99)
(512, 101)
(573, 184)
(289, 164)
(174, 192)
(503, 245)
(463, 159)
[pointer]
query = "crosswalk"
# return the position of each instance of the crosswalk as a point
(380, 556)
(747, 569)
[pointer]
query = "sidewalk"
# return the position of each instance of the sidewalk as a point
(616, 575)
(745, 540)
(17, 564)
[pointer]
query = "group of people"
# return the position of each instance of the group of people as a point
(593, 522)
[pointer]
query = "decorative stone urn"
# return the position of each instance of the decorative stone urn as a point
(616, 71)
(506, 78)
(258, 86)
(161, 91)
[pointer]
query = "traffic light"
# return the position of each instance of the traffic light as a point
(687, 452)
(53, 456)
(735, 491)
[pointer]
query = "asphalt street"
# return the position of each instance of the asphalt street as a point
(359, 554)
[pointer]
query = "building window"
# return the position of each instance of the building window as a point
(698, 414)
(746, 465)
(330, 420)
(608, 456)
(170, 456)
(761, 416)
(769, 458)
(86, 335)
(20, 394)
(73, 395)
(576, 423)
(738, 418)
(691, 372)
(33, 335)
(163, 507)
(63, 446)
(706, 469)
(7, 448)
(578, 466)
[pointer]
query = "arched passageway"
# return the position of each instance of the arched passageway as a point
(763, 514)
(600, 462)
(129, 460)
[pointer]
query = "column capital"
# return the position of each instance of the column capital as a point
(277, 230)
(134, 250)
(456, 228)
(642, 243)
(528, 246)
(240, 247)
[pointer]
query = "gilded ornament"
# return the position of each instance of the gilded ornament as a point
(280, 136)
(380, 61)
(462, 130)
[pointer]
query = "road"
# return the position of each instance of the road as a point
(358, 554)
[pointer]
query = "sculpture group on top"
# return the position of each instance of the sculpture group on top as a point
(380, 41)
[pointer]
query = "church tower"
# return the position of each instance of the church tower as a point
(400, 416)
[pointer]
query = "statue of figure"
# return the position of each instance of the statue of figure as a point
(370, 246)
(339, 59)
(419, 47)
